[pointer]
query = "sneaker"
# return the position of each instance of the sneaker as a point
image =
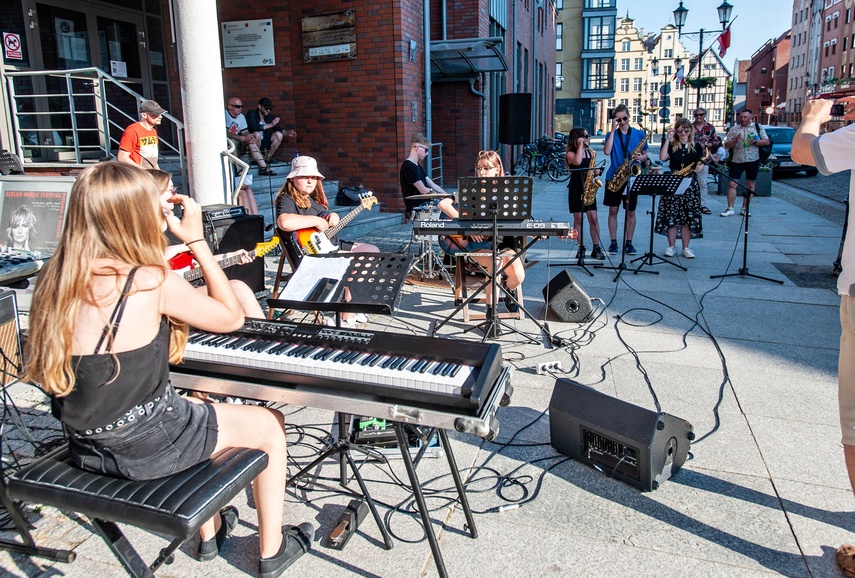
(267, 172)
(630, 250)
(597, 253)
(688, 253)
(296, 541)
(580, 253)
(742, 212)
(728, 212)
(510, 304)
(846, 560)
(208, 549)
(613, 248)
(670, 251)
(361, 318)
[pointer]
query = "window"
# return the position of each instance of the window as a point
(678, 102)
(625, 46)
(666, 70)
(624, 63)
(559, 4)
(639, 64)
(624, 85)
(636, 84)
(654, 87)
(559, 76)
(625, 102)
(612, 103)
(668, 53)
(559, 36)
(600, 32)
(717, 114)
(598, 74)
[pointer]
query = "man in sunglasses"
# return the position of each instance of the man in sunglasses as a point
(620, 143)
(237, 130)
(139, 141)
(266, 128)
(704, 134)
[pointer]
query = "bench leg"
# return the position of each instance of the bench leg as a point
(122, 549)
(29, 546)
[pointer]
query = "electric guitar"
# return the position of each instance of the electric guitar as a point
(314, 242)
(184, 265)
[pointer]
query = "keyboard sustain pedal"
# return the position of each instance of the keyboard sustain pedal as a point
(352, 516)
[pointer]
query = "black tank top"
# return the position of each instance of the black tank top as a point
(108, 384)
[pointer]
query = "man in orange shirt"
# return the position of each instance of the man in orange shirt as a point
(139, 142)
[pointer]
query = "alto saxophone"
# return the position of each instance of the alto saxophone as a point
(628, 167)
(687, 170)
(592, 183)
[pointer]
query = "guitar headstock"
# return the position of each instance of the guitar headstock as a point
(263, 249)
(368, 200)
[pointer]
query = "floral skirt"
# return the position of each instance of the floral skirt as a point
(680, 210)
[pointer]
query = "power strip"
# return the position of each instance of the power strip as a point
(548, 366)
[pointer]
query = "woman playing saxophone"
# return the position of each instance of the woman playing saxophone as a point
(581, 160)
(682, 211)
(625, 146)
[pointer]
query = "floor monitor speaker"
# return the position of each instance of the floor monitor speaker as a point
(239, 232)
(566, 298)
(635, 445)
(515, 118)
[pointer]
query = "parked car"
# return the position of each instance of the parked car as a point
(781, 158)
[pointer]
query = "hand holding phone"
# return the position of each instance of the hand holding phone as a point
(837, 109)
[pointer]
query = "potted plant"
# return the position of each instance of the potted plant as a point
(701, 82)
(762, 186)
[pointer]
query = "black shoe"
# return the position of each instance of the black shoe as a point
(613, 248)
(208, 549)
(580, 252)
(630, 250)
(267, 172)
(491, 312)
(597, 253)
(296, 541)
(510, 304)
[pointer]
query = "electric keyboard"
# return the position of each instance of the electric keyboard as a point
(509, 228)
(447, 383)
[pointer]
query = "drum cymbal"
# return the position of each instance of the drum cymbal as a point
(429, 196)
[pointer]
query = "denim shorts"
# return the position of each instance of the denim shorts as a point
(471, 246)
(173, 436)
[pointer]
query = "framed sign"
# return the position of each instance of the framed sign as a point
(32, 212)
(329, 37)
(247, 43)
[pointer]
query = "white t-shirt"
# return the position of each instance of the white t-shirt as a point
(720, 154)
(835, 152)
(234, 125)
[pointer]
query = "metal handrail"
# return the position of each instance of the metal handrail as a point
(436, 164)
(230, 160)
(104, 111)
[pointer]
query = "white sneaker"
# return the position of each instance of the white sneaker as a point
(742, 212)
(361, 318)
(728, 212)
(688, 253)
(670, 251)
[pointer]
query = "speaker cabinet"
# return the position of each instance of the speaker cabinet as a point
(239, 232)
(566, 298)
(10, 338)
(515, 118)
(640, 447)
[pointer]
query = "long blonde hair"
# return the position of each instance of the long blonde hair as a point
(113, 213)
(675, 141)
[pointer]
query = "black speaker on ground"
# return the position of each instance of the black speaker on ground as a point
(515, 118)
(635, 445)
(226, 234)
(566, 298)
(10, 338)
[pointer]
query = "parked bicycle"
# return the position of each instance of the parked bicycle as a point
(543, 156)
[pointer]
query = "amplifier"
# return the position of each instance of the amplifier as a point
(10, 338)
(635, 445)
(217, 212)
(240, 232)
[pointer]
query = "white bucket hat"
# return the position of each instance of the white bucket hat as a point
(303, 166)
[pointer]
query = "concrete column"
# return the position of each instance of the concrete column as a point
(197, 34)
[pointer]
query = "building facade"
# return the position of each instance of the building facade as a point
(768, 79)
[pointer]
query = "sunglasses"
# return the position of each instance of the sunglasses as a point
(683, 130)
(701, 114)
(268, 108)
(623, 119)
(236, 105)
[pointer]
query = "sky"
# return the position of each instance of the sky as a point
(756, 21)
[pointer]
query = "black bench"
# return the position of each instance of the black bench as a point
(176, 505)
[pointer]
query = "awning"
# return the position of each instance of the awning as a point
(465, 59)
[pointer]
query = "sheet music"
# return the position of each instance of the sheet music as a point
(684, 186)
(310, 270)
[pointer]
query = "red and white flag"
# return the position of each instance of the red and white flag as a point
(678, 77)
(724, 42)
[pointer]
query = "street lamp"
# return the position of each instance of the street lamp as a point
(680, 14)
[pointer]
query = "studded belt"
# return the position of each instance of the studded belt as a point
(132, 415)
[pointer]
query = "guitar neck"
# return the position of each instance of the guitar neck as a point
(222, 261)
(333, 231)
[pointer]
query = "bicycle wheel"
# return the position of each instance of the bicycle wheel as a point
(557, 170)
(522, 164)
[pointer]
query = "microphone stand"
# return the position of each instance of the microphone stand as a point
(743, 271)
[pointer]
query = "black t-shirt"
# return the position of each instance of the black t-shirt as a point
(411, 173)
(285, 204)
(254, 121)
(577, 177)
(680, 158)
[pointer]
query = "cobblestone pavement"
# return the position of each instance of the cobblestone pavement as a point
(834, 187)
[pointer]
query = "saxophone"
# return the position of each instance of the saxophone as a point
(687, 170)
(623, 172)
(592, 183)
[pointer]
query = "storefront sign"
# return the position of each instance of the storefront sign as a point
(247, 43)
(329, 37)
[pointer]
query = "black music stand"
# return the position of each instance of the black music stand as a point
(621, 267)
(743, 271)
(375, 281)
(495, 199)
(652, 185)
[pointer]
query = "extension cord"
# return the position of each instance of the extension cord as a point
(548, 366)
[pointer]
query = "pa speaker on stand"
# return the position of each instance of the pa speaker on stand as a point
(635, 445)
(566, 299)
(515, 118)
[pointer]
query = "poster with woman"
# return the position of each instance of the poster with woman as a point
(32, 214)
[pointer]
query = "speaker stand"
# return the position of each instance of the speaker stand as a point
(580, 259)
